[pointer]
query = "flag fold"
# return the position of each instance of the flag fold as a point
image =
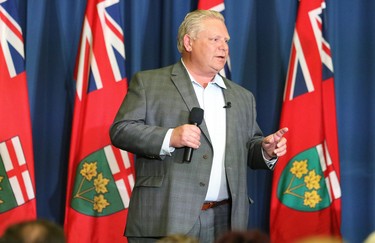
(17, 185)
(306, 197)
(100, 176)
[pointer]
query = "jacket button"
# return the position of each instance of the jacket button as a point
(201, 184)
(205, 156)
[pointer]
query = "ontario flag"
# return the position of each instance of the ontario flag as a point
(17, 185)
(306, 197)
(100, 176)
(219, 6)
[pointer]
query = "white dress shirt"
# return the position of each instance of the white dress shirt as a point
(211, 100)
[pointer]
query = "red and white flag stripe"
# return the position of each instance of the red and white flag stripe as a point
(119, 162)
(15, 165)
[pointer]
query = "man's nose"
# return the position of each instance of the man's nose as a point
(224, 45)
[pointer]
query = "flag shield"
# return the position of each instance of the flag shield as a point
(95, 192)
(302, 186)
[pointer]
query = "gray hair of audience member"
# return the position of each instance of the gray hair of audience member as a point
(192, 25)
(34, 231)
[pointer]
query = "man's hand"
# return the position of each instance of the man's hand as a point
(186, 135)
(275, 144)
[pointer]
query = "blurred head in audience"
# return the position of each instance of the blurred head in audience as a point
(249, 236)
(36, 231)
(178, 238)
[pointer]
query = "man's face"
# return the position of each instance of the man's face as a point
(209, 50)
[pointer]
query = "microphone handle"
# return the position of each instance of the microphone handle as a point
(188, 153)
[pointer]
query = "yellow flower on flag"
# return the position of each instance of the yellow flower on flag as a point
(89, 170)
(99, 203)
(312, 180)
(312, 199)
(1, 179)
(299, 168)
(100, 184)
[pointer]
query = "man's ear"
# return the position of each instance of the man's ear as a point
(188, 43)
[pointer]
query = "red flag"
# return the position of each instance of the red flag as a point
(17, 185)
(306, 198)
(100, 177)
(219, 6)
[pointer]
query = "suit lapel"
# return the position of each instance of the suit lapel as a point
(231, 115)
(181, 80)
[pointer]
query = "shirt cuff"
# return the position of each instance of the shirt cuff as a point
(270, 162)
(165, 148)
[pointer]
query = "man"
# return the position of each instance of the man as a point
(208, 195)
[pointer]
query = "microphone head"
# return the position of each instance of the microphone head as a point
(196, 116)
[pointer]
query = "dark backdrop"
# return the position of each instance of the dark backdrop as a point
(261, 33)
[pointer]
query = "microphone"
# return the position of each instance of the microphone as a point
(195, 118)
(228, 105)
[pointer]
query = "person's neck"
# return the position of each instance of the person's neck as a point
(200, 77)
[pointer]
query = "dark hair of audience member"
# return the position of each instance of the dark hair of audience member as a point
(249, 236)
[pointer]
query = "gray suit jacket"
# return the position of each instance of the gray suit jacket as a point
(168, 194)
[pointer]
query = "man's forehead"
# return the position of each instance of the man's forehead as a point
(213, 32)
(214, 26)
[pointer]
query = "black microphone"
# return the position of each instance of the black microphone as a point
(228, 105)
(195, 118)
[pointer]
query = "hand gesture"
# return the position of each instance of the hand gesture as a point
(275, 144)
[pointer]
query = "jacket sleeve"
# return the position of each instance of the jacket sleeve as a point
(255, 157)
(130, 131)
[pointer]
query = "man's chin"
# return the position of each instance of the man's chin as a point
(218, 69)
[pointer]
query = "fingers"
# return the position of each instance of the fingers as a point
(186, 135)
(276, 144)
(281, 147)
(280, 133)
(192, 138)
(280, 141)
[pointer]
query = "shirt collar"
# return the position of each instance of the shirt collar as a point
(218, 80)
